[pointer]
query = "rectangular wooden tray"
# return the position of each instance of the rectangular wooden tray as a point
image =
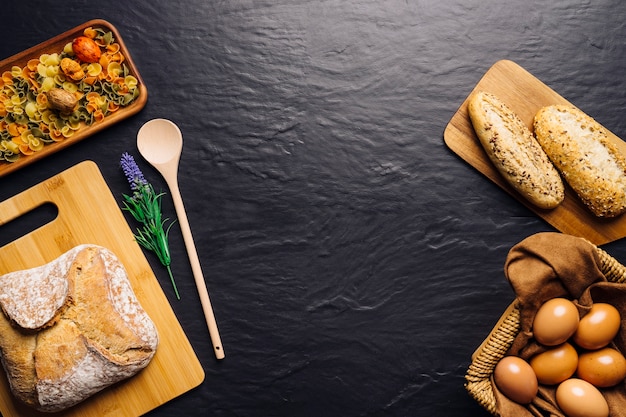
(88, 213)
(56, 44)
(525, 95)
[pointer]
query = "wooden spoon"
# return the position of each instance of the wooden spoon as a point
(160, 142)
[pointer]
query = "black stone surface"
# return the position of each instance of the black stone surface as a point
(354, 263)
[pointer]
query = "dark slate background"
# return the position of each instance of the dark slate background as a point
(354, 262)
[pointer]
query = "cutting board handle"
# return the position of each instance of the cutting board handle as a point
(19, 205)
(23, 223)
(35, 212)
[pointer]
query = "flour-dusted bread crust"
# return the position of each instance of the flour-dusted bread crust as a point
(47, 289)
(71, 328)
(514, 151)
(581, 150)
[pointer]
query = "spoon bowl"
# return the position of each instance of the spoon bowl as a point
(160, 142)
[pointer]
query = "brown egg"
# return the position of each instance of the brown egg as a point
(555, 322)
(578, 398)
(598, 327)
(555, 365)
(516, 379)
(603, 368)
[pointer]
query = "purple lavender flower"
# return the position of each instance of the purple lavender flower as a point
(145, 206)
(133, 173)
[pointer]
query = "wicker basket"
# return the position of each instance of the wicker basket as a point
(494, 348)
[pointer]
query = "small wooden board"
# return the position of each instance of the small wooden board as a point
(55, 45)
(88, 213)
(525, 95)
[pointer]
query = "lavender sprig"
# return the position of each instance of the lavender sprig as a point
(145, 207)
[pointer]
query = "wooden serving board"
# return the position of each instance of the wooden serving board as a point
(88, 213)
(525, 95)
(55, 45)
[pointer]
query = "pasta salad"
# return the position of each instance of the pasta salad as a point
(29, 120)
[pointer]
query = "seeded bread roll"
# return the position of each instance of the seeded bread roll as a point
(514, 151)
(581, 150)
(71, 328)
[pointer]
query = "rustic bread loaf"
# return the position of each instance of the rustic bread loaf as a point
(71, 328)
(513, 150)
(581, 150)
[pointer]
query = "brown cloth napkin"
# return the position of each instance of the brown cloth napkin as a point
(549, 265)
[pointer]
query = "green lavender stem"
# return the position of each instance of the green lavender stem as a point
(169, 270)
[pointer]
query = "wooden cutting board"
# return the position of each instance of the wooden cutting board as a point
(525, 95)
(88, 213)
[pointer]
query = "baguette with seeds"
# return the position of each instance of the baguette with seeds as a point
(581, 150)
(515, 153)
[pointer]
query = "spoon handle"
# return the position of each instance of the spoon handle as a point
(196, 269)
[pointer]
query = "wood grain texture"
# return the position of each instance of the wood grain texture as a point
(88, 213)
(525, 95)
(56, 44)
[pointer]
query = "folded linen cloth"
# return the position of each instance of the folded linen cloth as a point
(549, 265)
